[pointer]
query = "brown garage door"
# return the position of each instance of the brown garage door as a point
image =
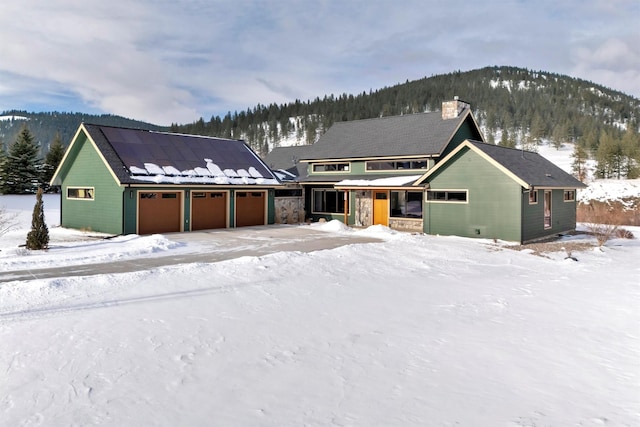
(208, 210)
(159, 212)
(250, 208)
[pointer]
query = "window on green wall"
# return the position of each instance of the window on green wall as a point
(392, 165)
(81, 193)
(406, 204)
(533, 197)
(328, 200)
(330, 167)
(451, 196)
(569, 195)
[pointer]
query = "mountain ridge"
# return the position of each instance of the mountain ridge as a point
(509, 103)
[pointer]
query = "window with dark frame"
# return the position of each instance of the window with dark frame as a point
(406, 204)
(391, 165)
(569, 195)
(533, 197)
(331, 167)
(80, 193)
(453, 196)
(289, 192)
(328, 201)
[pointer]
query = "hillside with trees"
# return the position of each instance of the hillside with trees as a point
(47, 127)
(512, 105)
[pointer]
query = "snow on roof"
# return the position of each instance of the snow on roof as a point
(392, 181)
(284, 175)
(211, 174)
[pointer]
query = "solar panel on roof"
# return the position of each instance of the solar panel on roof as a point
(173, 154)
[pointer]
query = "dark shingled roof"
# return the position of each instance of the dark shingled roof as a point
(124, 148)
(287, 159)
(408, 135)
(530, 167)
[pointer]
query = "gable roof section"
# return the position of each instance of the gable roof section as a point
(425, 134)
(137, 156)
(288, 159)
(103, 150)
(527, 168)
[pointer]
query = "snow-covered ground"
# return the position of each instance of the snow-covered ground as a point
(415, 330)
(598, 189)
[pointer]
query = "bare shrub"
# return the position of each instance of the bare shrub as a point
(7, 221)
(601, 220)
(627, 210)
(623, 233)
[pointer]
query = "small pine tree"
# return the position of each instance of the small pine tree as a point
(579, 164)
(38, 237)
(21, 170)
(52, 160)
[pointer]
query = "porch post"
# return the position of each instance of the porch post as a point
(346, 208)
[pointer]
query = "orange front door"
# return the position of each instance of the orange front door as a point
(381, 207)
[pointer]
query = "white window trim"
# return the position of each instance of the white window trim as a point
(455, 202)
(423, 170)
(544, 215)
(533, 192)
(569, 200)
(348, 170)
(86, 199)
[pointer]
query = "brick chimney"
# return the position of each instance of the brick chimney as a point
(452, 109)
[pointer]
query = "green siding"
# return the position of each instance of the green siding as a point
(359, 168)
(232, 209)
(493, 205)
(130, 211)
(86, 169)
(467, 130)
(271, 207)
(563, 216)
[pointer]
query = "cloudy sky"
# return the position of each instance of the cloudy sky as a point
(176, 61)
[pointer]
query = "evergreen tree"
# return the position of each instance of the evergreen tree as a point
(21, 171)
(537, 130)
(560, 135)
(51, 161)
(506, 140)
(38, 237)
(579, 165)
(631, 153)
(610, 157)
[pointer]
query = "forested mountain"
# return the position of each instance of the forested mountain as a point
(511, 104)
(45, 126)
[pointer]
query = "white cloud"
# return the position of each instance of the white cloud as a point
(175, 61)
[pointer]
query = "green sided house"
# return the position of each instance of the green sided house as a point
(431, 173)
(123, 181)
(348, 174)
(484, 190)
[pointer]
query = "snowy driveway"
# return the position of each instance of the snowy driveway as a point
(194, 247)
